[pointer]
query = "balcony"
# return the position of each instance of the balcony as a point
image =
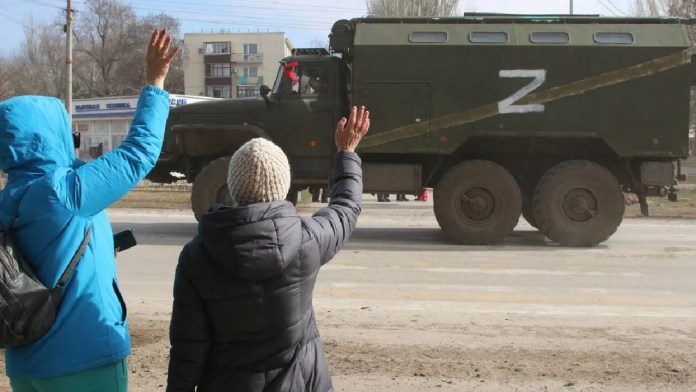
(247, 58)
(249, 80)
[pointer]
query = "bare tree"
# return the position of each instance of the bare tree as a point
(39, 66)
(682, 9)
(108, 59)
(145, 27)
(405, 8)
(647, 8)
(673, 8)
(6, 72)
(111, 43)
(104, 35)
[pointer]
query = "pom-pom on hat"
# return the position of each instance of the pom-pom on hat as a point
(259, 172)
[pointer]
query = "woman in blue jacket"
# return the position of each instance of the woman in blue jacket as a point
(55, 199)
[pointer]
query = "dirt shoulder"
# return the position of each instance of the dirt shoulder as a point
(402, 352)
(489, 352)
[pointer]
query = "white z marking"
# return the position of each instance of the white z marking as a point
(506, 105)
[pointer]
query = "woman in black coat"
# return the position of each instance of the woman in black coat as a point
(242, 318)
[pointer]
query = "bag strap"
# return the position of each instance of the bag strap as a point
(6, 231)
(57, 292)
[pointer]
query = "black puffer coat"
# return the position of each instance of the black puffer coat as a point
(242, 318)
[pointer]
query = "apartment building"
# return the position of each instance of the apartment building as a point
(232, 65)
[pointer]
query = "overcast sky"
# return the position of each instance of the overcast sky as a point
(303, 21)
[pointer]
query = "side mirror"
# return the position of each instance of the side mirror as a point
(264, 90)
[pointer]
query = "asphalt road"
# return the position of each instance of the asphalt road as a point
(402, 308)
(398, 251)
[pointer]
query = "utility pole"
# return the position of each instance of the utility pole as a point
(68, 59)
(571, 7)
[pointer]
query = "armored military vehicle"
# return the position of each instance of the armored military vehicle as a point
(551, 117)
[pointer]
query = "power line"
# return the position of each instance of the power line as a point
(301, 23)
(273, 5)
(306, 25)
(607, 7)
(280, 27)
(262, 17)
(616, 8)
(12, 5)
(12, 19)
(234, 17)
(45, 5)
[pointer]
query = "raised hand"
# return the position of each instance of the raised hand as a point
(158, 58)
(349, 132)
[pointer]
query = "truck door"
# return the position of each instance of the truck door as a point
(400, 114)
(307, 114)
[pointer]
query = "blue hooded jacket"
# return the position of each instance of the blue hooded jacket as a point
(57, 197)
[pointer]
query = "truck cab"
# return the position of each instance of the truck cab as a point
(298, 113)
(305, 103)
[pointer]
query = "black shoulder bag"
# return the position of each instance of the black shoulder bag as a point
(27, 307)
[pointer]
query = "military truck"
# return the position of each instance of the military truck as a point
(553, 117)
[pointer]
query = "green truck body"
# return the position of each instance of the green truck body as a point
(553, 117)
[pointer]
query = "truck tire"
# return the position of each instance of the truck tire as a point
(210, 187)
(477, 203)
(578, 203)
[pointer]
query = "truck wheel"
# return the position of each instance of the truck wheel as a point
(210, 187)
(477, 202)
(578, 203)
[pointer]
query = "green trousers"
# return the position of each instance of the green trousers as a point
(107, 378)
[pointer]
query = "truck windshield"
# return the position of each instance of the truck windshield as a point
(279, 77)
(306, 80)
(287, 80)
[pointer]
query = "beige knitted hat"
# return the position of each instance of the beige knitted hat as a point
(259, 173)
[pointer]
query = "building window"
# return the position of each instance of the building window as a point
(488, 37)
(251, 72)
(218, 91)
(217, 48)
(251, 53)
(218, 70)
(247, 91)
(549, 38)
(251, 48)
